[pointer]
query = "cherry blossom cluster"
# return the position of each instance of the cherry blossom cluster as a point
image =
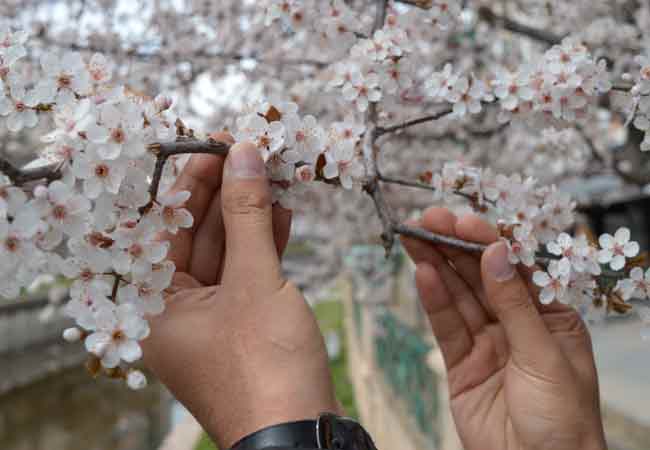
(640, 111)
(96, 220)
(298, 150)
(95, 223)
(562, 84)
(532, 220)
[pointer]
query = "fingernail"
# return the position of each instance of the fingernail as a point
(244, 161)
(498, 266)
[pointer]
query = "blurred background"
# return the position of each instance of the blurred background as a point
(387, 369)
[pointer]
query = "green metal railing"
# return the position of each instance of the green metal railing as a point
(369, 266)
(402, 355)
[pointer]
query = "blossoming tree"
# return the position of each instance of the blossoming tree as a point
(375, 99)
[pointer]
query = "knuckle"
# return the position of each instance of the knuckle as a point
(513, 301)
(253, 204)
(566, 322)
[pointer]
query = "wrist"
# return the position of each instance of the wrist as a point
(327, 431)
(226, 430)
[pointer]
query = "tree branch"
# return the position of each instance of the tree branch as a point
(434, 238)
(590, 143)
(506, 23)
(431, 118)
(20, 177)
(232, 56)
(407, 183)
(424, 4)
(183, 145)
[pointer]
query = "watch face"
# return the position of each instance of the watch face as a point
(340, 433)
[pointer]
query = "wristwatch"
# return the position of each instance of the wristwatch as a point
(329, 431)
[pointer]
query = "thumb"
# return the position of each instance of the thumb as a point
(530, 342)
(251, 254)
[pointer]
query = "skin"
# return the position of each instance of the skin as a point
(241, 349)
(521, 375)
(237, 344)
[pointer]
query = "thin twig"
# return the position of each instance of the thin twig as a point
(407, 183)
(387, 220)
(424, 4)
(189, 146)
(434, 238)
(506, 23)
(201, 54)
(590, 143)
(116, 286)
(401, 126)
(182, 146)
(20, 177)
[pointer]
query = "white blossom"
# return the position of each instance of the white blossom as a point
(615, 249)
(554, 283)
(117, 334)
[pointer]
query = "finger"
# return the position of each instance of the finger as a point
(281, 234)
(209, 243)
(201, 176)
(470, 308)
(530, 342)
(251, 254)
(473, 228)
(449, 327)
(470, 228)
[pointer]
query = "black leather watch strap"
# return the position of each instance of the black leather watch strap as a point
(298, 435)
(330, 432)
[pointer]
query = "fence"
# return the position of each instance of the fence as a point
(402, 355)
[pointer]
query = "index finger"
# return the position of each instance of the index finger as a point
(202, 177)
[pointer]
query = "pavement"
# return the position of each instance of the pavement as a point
(623, 361)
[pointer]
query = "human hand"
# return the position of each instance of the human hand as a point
(521, 374)
(237, 344)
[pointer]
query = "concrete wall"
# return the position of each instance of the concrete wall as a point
(382, 412)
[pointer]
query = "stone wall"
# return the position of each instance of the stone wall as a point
(383, 411)
(71, 411)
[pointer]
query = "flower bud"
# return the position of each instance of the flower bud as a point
(72, 334)
(136, 380)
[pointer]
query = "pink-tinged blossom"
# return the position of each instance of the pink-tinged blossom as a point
(118, 131)
(170, 212)
(100, 69)
(554, 283)
(67, 77)
(269, 138)
(513, 89)
(64, 209)
(362, 90)
(523, 247)
(637, 286)
(19, 108)
(575, 251)
(615, 249)
(440, 85)
(342, 162)
(304, 137)
(98, 174)
(466, 96)
(137, 249)
(118, 331)
(136, 380)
